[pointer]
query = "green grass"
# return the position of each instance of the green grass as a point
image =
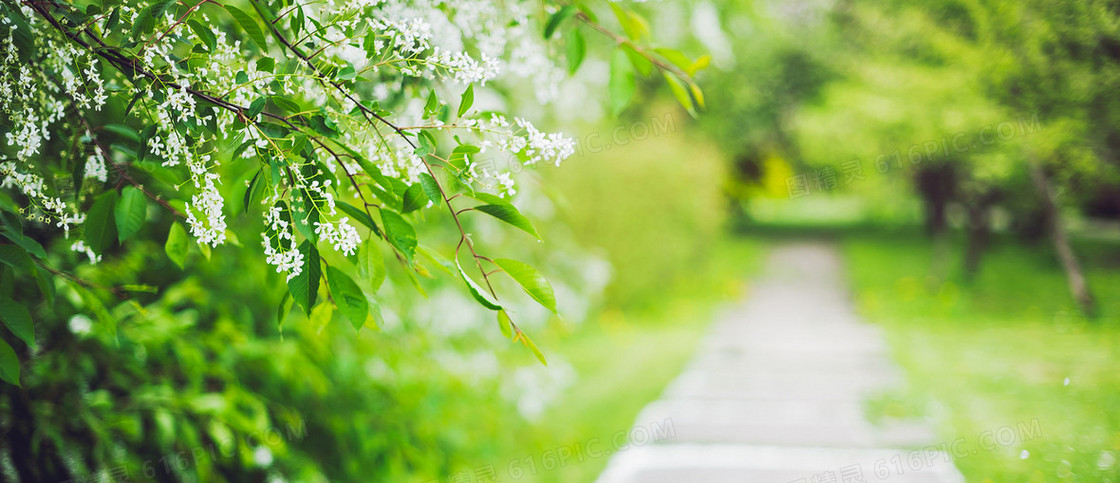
(988, 361)
(624, 361)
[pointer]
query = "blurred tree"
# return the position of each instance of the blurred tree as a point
(966, 90)
(779, 65)
(1064, 68)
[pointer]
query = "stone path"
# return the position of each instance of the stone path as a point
(776, 393)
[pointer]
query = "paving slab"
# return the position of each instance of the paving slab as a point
(777, 393)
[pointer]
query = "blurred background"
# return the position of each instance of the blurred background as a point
(961, 154)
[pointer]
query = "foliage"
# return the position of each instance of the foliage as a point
(157, 153)
(305, 93)
(662, 222)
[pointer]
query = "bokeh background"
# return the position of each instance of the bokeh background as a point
(943, 146)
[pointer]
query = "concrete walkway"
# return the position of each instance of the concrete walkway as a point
(776, 393)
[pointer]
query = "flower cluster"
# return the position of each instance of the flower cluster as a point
(541, 146)
(31, 185)
(343, 237)
(95, 168)
(211, 229)
(463, 68)
(305, 122)
(279, 242)
(80, 247)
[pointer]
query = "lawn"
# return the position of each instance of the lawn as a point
(1023, 386)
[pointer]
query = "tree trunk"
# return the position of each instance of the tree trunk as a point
(978, 231)
(936, 185)
(1078, 286)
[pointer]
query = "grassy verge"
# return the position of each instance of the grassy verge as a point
(623, 360)
(1020, 384)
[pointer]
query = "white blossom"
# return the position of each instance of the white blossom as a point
(343, 237)
(95, 168)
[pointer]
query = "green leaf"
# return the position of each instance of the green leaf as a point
(139, 94)
(131, 212)
(347, 72)
(701, 63)
(276, 170)
(680, 93)
(375, 315)
(414, 198)
(504, 323)
(633, 24)
(400, 233)
(9, 364)
(482, 296)
(159, 7)
(359, 215)
(285, 104)
(586, 9)
(427, 143)
(145, 135)
(256, 107)
(531, 280)
(33, 247)
(178, 244)
(503, 210)
(296, 22)
(45, 282)
(256, 186)
(557, 18)
(348, 296)
(267, 64)
(527, 342)
(101, 229)
(249, 25)
(18, 320)
(123, 131)
(133, 287)
(264, 12)
(576, 50)
(143, 24)
(16, 257)
(371, 266)
(305, 286)
(622, 85)
(114, 17)
(441, 262)
(204, 33)
(467, 100)
(675, 57)
(697, 94)
(431, 108)
(459, 155)
(431, 188)
(639, 61)
(322, 125)
(284, 308)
